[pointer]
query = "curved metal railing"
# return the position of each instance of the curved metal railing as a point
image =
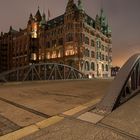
(125, 85)
(41, 71)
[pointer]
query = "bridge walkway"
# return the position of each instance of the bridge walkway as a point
(122, 124)
(27, 103)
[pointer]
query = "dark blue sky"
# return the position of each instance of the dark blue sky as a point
(123, 17)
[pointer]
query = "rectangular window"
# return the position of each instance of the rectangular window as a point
(48, 45)
(97, 56)
(92, 43)
(54, 43)
(92, 54)
(86, 40)
(60, 41)
(102, 47)
(69, 37)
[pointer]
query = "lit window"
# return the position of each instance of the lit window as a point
(33, 56)
(54, 54)
(69, 52)
(59, 55)
(34, 30)
(48, 55)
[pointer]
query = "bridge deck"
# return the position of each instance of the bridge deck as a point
(27, 103)
(126, 118)
(122, 124)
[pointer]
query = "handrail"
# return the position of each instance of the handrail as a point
(41, 71)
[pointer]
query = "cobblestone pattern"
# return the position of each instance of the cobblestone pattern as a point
(72, 129)
(6, 126)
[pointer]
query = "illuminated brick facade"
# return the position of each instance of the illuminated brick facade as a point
(73, 38)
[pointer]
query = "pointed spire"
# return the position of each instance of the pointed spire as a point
(70, 5)
(43, 16)
(49, 14)
(102, 13)
(43, 21)
(31, 16)
(10, 29)
(80, 5)
(38, 15)
(102, 18)
(97, 17)
(97, 22)
(71, 1)
(1, 33)
(109, 31)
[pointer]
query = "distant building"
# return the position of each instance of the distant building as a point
(73, 38)
(114, 71)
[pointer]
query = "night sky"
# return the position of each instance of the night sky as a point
(123, 17)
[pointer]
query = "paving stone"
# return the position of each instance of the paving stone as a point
(75, 130)
(90, 117)
(7, 126)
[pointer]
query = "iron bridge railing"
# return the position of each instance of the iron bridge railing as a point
(42, 71)
(125, 85)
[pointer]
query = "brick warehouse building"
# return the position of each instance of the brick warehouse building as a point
(73, 38)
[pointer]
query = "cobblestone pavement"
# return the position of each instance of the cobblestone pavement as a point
(72, 129)
(64, 99)
(7, 126)
(54, 97)
(28, 103)
(122, 124)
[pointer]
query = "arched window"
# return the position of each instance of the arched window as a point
(93, 66)
(87, 67)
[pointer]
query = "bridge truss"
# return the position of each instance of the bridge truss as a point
(42, 71)
(125, 85)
